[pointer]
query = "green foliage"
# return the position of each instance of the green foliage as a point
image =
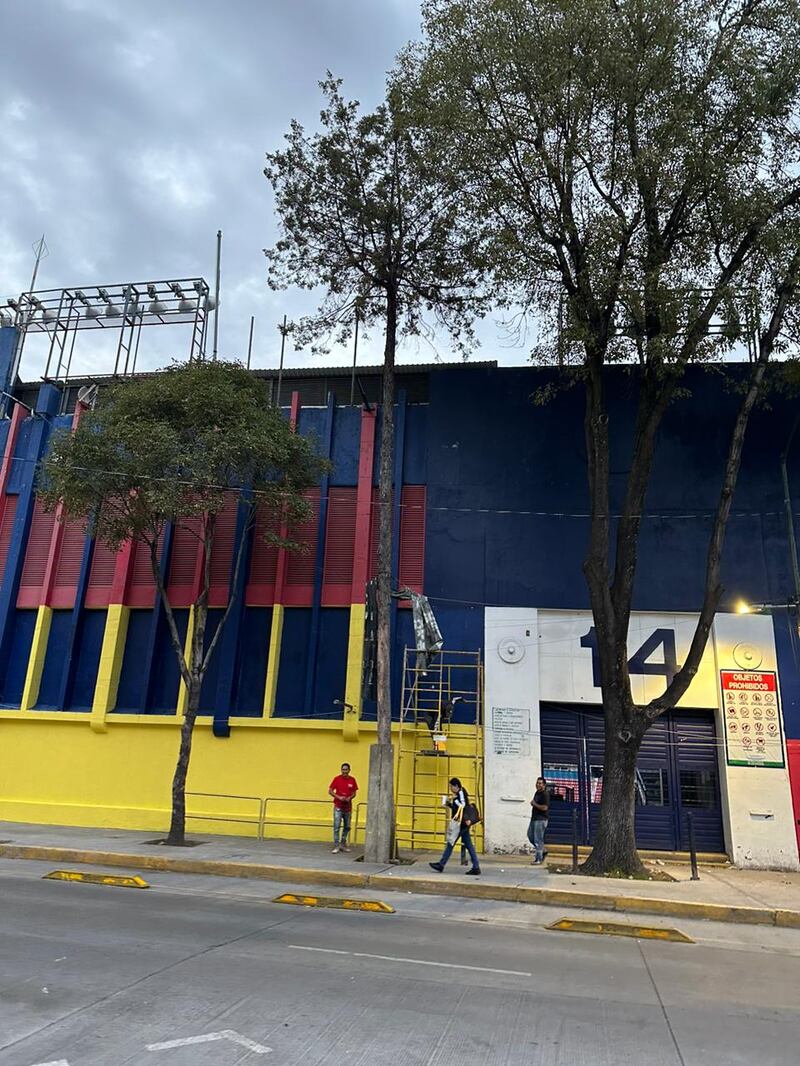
(166, 447)
(635, 159)
(364, 212)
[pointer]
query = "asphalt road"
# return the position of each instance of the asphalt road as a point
(199, 971)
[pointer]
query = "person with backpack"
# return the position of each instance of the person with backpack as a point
(464, 815)
(540, 810)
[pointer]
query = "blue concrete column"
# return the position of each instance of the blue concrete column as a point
(37, 439)
(326, 446)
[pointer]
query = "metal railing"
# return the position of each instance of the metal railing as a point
(258, 822)
(263, 820)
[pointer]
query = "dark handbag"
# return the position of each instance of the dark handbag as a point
(471, 815)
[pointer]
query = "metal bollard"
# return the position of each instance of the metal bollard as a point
(575, 841)
(692, 846)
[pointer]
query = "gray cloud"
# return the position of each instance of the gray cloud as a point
(130, 133)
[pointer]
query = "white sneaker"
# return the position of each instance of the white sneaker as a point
(336, 851)
(344, 847)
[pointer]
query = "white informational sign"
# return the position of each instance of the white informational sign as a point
(511, 727)
(752, 717)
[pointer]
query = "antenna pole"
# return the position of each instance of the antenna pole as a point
(280, 368)
(40, 248)
(250, 341)
(216, 295)
(355, 354)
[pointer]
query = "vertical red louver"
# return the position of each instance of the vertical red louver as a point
(412, 537)
(36, 553)
(260, 590)
(183, 562)
(68, 565)
(142, 587)
(300, 564)
(101, 575)
(222, 550)
(6, 526)
(337, 575)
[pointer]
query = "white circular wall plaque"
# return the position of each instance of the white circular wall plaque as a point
(511, 650)
(747, 656)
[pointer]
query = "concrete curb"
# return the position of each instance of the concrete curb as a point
(168, 864)
(716, 912)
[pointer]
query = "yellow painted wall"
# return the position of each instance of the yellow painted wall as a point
(55, 769)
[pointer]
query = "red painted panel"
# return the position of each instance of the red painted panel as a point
(300, 564)
(6, 525)
(412, 537)
(101, 575)
(260, 591)
(337, 574)
(36, 554)
(793, 755)
(374, 533)
(182, 574)
(222, 550)
(68, 566)
(142, 586)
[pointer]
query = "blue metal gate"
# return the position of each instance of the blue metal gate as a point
(676, 773)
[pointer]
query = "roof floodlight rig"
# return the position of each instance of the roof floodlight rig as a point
(125, 308)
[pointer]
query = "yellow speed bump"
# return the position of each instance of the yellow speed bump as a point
(640, 932)
(335, 902)
(115, 880)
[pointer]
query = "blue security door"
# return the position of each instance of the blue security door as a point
(676, 774)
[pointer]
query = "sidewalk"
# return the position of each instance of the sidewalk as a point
(721, 894)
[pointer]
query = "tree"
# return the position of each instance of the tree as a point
(364, 215)
(630, 168)
(177, 447)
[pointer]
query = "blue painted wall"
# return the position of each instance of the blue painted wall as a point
(507, 497)
(87, 660)
(248, 692)
(22, 625)
(57, 647)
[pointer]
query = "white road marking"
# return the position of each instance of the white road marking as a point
(416, 962)
(208, 1038)
(54, 1062)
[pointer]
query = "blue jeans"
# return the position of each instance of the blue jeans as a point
(466, 842)
(341, 821)
(536, 831)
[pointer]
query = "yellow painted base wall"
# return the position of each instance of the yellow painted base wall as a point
(54, 769)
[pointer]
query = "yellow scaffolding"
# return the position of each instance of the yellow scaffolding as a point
(433, 747)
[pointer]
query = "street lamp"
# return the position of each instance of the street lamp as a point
(743, 607)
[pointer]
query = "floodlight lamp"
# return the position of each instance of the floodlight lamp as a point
(5, 319)
(113, 310)
(157, 307)
(13, 304)
(176, 289)
(48, 314)
(211, 302)
(152, 292)
(742, 607)
(186, 305)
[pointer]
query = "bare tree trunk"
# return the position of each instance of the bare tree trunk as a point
(177, 825)
(380, 808)
(614, 850)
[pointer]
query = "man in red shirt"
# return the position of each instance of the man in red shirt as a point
(342, 788)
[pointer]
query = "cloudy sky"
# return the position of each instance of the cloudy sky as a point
(131, 133)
